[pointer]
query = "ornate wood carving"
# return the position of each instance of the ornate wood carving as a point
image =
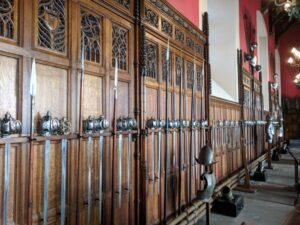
(52, 24)
(190, 75)
(151, 17)
(91, 31)
(199, 50)
(179, 36)
(179, 69)
(119, 46)
(124, 3)
(199, 76)
(166, 27)
(7, 19)
(190, 42)
(177, 18)
(151, 60)
(164, 64)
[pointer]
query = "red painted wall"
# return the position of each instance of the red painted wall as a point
(288, 40)
(188, 8)
(252, 7)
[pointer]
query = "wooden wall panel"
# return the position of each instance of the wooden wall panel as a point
(141, 93)
(225, 140)
(52, 91)
(92, 96)
(9, 74)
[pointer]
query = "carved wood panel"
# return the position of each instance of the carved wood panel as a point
(9, 19)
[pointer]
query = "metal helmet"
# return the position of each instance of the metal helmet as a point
(206, 156)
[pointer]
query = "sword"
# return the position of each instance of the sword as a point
(63, 179)
(46, 179)
(161, 124)
(6, 181)
(153, 156)
(101, 140)
(90, 145)
(120, 142)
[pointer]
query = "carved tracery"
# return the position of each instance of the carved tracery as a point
(119, 46)
(165, 65)
(190, 75)
(52, 24)
(199, 76)
(124, 3)
(7, 25)
(151, 17)
(151, 60)
(91, 30)
(179, 69)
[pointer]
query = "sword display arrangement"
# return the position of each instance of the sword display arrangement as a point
(8, 126)
(124, 125)
(95, 126)
(52, 126)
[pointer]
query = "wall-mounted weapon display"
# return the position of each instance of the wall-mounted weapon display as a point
(91, 126)
(8, 127)
(52, 126)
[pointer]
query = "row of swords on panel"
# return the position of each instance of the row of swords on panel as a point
(54, 126)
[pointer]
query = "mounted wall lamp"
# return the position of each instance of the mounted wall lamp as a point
(258, 68)
(253, 46)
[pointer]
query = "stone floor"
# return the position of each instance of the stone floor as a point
(273, 203)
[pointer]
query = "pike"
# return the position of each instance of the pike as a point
(192, 137)
(46, 180)
(174, 149)
(101, 141)
(159, 156)
(201, 114)
(180, 138)
(6, 181)
(114, 136)
(30, 176)
(166, 138)
(63, 179)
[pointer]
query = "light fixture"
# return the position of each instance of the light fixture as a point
(291, 7)
(294, 65)
(253, 46)
(258, 68)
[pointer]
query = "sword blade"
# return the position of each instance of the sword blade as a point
(153, 158)
(129, 161)
(101, 141)
(196, 155)
(120, 170)
(46, 179)
(158, 161)
(90, 145)
(63, 179)
(6, 182)
(174, 157)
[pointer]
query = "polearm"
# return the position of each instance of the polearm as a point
(192, 137)
(82, 59)
(201, 114)
(30, 173)
(114, 138)
(166, 137)
(180, 137)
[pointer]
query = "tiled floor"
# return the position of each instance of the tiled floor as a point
(272, 204)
